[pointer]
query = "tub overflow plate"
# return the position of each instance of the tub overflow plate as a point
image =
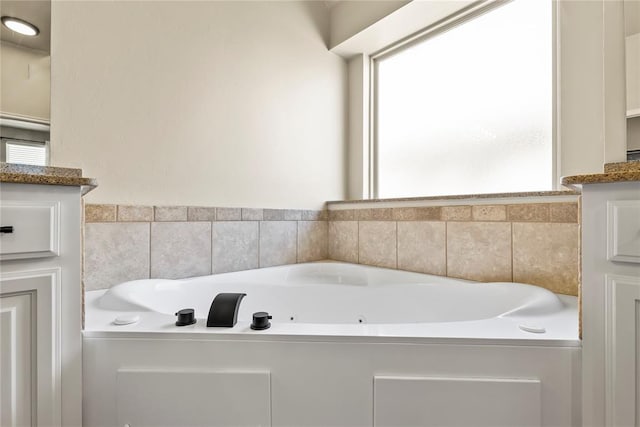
(127, 319)
(534, 329)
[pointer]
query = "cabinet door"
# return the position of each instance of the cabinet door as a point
(17, 358)
(30, 353)
(623, 350)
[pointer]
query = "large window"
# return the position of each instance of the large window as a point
(468, 110)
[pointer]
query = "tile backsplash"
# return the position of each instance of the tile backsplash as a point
(124, 242)
(536, 243)
(529, 242)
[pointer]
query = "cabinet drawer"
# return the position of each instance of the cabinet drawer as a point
(35, 229)
(623, 231)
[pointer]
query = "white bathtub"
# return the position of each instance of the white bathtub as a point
(344, 299)
(349, 345)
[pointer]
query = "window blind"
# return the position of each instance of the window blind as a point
(28, 154)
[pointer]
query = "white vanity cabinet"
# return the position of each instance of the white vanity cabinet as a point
(40, 305)
(611, 303)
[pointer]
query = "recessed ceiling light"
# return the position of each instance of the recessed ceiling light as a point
(20, 26)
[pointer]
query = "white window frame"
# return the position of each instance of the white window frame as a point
(590, 107)
(449, 23)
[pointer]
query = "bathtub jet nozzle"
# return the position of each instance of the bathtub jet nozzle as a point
(224, 310)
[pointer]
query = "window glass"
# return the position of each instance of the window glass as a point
(469, 110)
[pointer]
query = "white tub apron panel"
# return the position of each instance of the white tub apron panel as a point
(449, 402)
(193, 398)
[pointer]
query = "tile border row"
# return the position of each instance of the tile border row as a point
(560, 212)
(144, 213)
(555, 212)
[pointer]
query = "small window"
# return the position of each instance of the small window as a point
(468, 110)
(26, 152)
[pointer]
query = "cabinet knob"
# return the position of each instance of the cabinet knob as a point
(6, 229)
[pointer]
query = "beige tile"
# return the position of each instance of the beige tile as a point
(343, 241)
(196, 213)
(342, 215)
(312, 215)
(99, 213)
(479, 251)
(131, 213)
(534, 212)
(547, 255)
(313, 240)
(249, 214)
(273, 214)
(278, 243)
(180, 249)
(228, 214)
(235, 246)
(429, 213)
(115, 253)
(563, 212)
(489, 213)
(422, 247)
(292, 214)
(282, 214)
(375, 214)
(456, 213)
(170, 213)
(377, 243)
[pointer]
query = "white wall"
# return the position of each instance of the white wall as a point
(210, 103)
(25, 82)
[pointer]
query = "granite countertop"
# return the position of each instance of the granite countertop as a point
(45, 175)
(613, 172)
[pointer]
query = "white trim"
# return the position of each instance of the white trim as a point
(556, 153)
(633, 113)
(403, 23)
(24, 122)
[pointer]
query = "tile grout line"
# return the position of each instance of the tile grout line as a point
(297, 242)
(211, 246)
(327, 241)
(150, 248)
(396, 245)
(446, 249)
(357, 242)
(511, 233)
